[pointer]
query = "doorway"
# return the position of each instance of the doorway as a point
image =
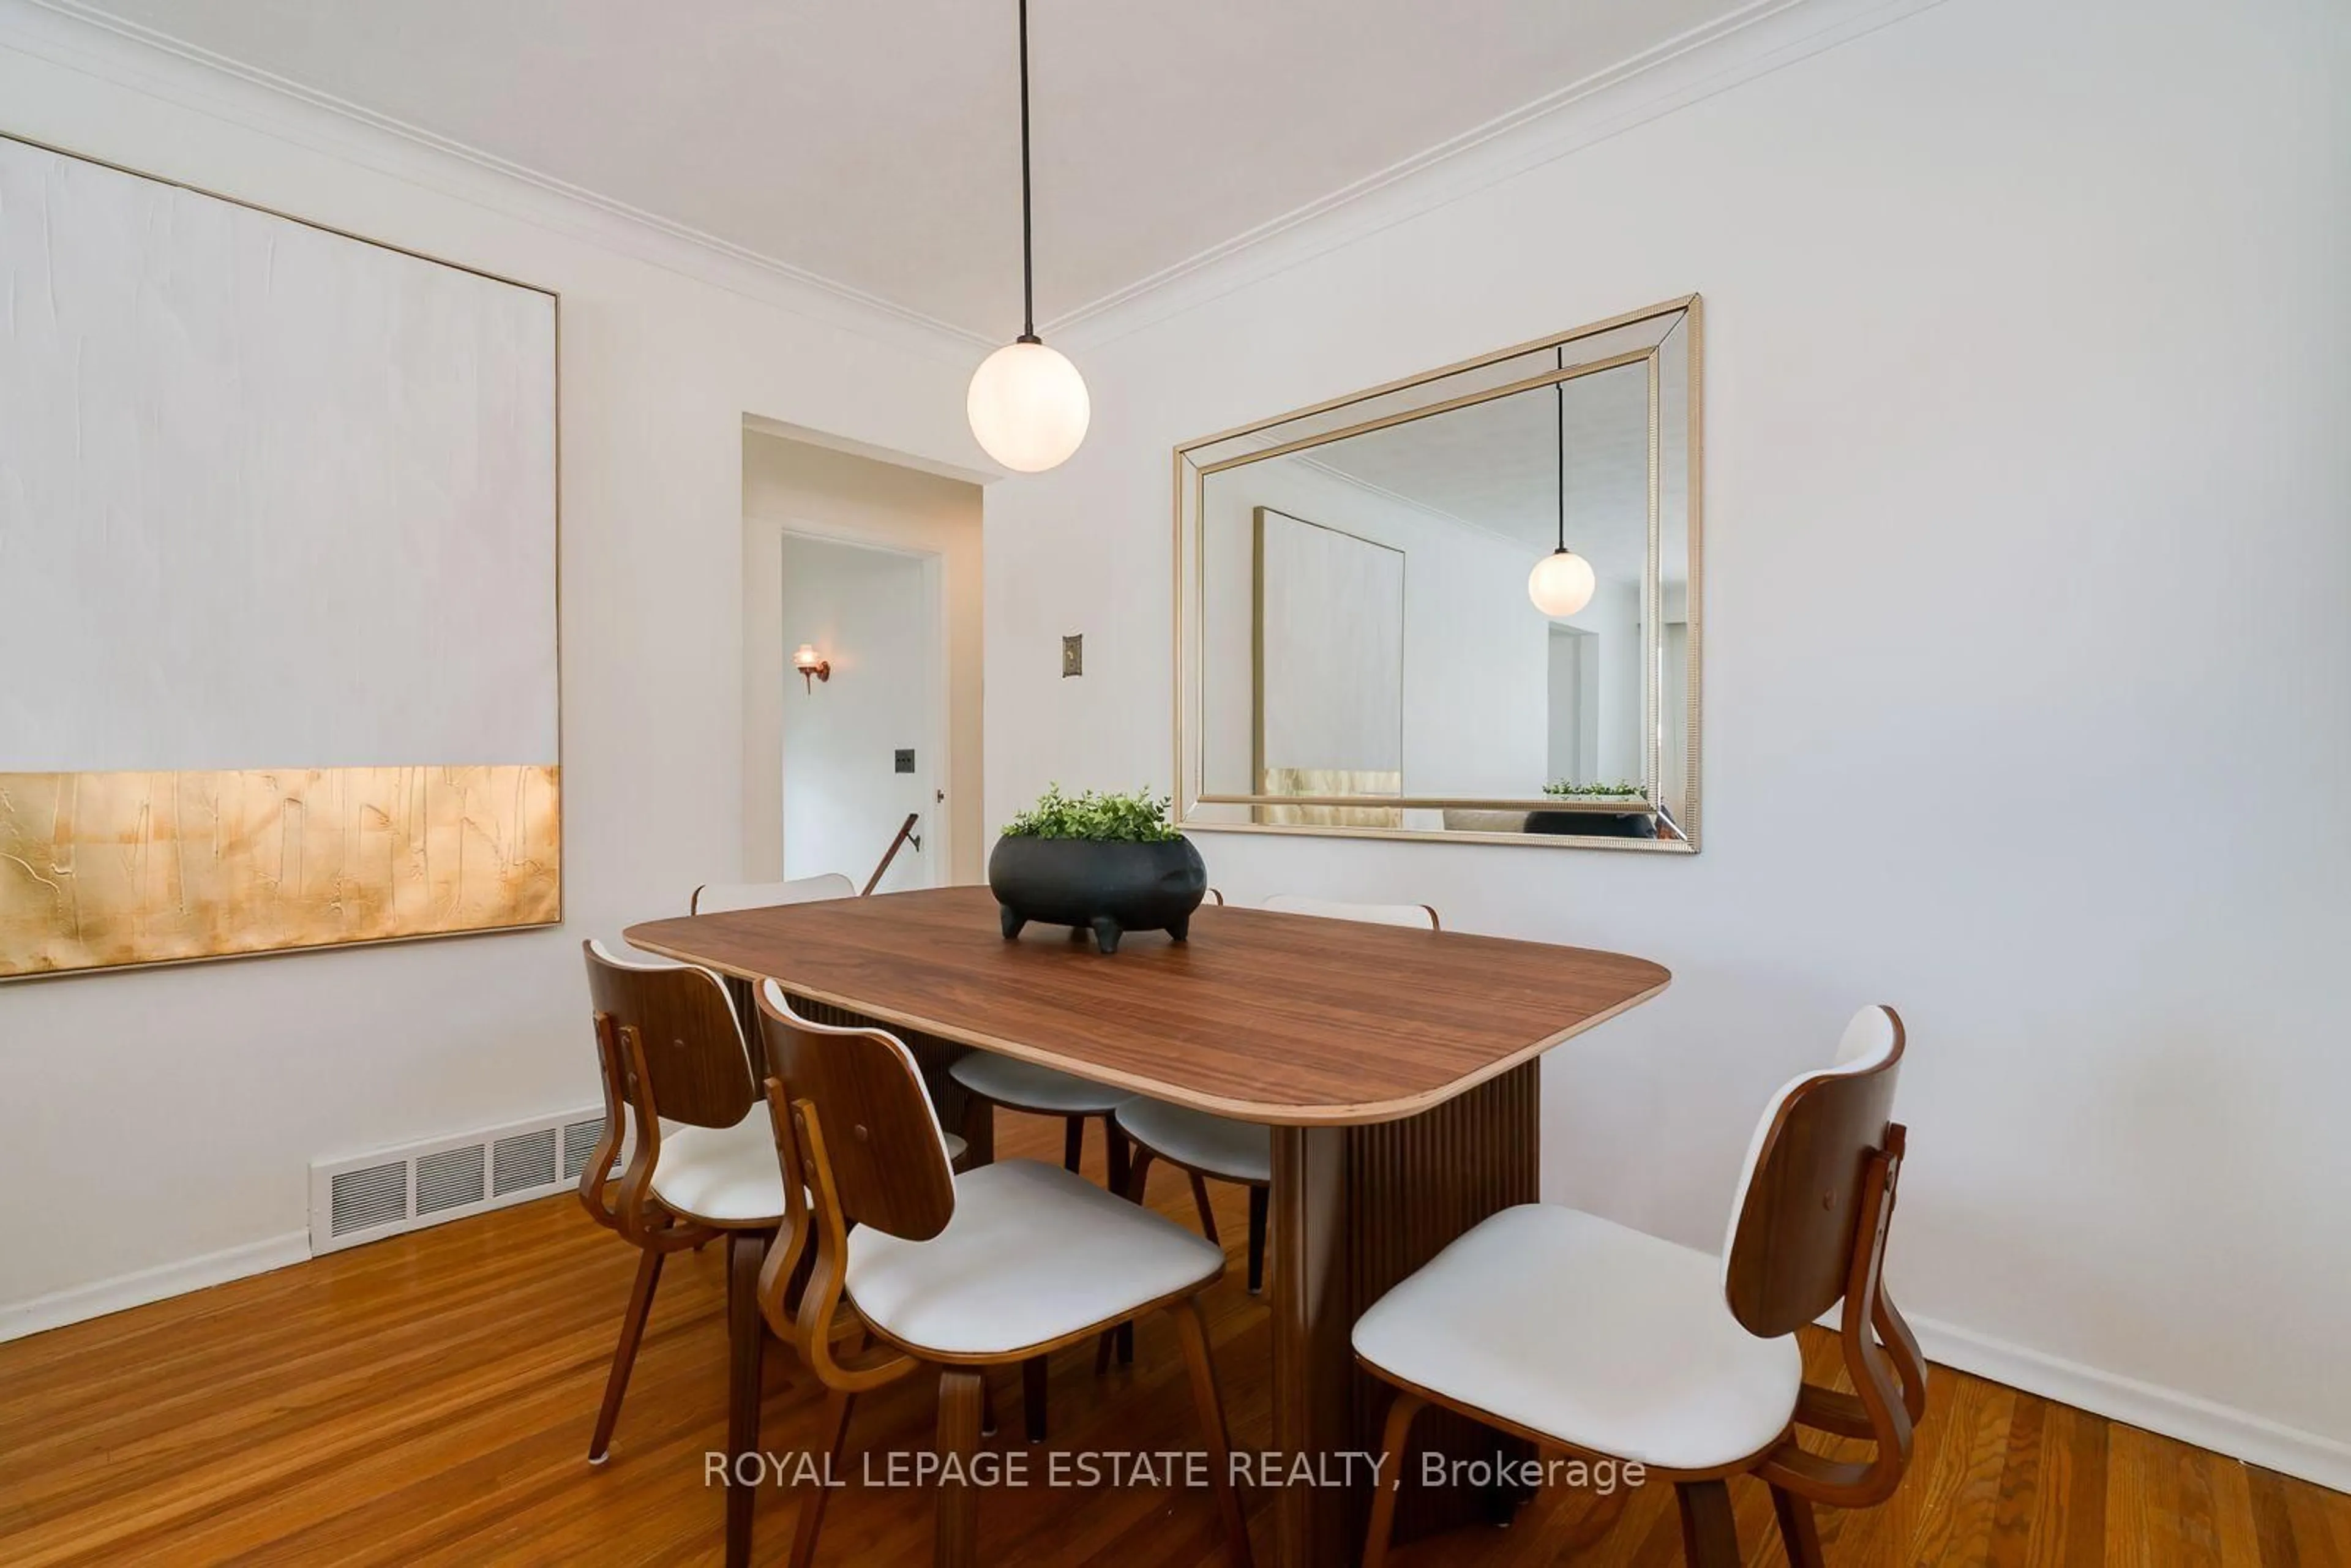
(1574, 693)
(861, 747)
(886, 582)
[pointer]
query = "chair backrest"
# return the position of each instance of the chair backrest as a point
(1415, 915)
(879, 1148)
(1795, 1227)
(718, 898)
(689, 1061)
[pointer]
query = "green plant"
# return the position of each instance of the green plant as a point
(1620, 791)
(1140, 818)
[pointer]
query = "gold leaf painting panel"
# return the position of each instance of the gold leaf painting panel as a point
(1331, 781)
(103, 870)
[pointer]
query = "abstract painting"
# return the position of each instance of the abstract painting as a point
(1329, 660)
(278, 541)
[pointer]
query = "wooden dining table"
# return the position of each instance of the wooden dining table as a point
(1396, 1067)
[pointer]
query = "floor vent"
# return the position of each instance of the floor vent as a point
(579, 1143)
(368, 1197)
(527, 1159)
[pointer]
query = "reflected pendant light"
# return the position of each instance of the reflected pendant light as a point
(1562, 582)
(1028, 404)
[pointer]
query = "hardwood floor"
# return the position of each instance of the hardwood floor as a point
(428, 1400)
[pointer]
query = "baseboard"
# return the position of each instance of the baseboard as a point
(2255, 1439)
(19, 1319)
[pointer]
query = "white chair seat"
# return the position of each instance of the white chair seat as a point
(729, 1175)
(1214, 1146)
(1604, 1338)
(1032, 1255)
(1025, 1086)
(721, 1175)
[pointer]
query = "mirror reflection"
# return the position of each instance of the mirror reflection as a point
(1467, 609)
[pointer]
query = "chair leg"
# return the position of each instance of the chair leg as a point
(837, 1406)
(1074, 1142)
(624, 1354)
(1032, 1397)
(746, 1335)
(1116, 1157)
(1797, 1531)
(1260, 1198)
(1396, 1438)
(1709, 1533)
(1207, 1215)
(957, 1538)
(1138, 1174)
(1192, 1329)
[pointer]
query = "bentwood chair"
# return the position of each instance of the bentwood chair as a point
(1219, 1148)
(719, 898)
(1568, 1330)
(677, 1077)
(997, 1266)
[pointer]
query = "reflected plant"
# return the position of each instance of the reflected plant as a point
(1623, 790)
(1140, 818)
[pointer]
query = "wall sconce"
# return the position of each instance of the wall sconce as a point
(812, 666)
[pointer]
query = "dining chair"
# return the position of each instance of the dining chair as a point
(956, 1274)
(1217, 1148)
(1570, 1331)
(669, 1050)
(720, 897)
(989, 1080)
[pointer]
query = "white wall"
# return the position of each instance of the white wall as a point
(151, 1119)
(793, 487)
(2027, 343)
(873, 615)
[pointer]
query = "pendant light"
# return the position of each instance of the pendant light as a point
(1562, 582)
(1028, 404)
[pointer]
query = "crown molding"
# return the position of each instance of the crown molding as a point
(1760, 38)
(83, 38)
(1396, 498)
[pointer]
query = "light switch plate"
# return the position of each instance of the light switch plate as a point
(1073, 656)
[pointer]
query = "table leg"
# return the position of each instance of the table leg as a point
(1355, 1210)
(1313, 1370)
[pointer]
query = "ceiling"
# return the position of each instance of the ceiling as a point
(1496, 466)
(876, 145)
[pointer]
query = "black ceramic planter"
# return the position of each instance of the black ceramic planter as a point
(1109, 887)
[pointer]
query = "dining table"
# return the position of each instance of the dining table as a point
(1398, 1067)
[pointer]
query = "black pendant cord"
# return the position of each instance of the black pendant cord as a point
(1559, 388)
(1028, 244)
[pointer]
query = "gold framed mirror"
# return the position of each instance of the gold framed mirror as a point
(1364, 645)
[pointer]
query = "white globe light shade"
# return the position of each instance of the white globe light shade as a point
(1561, 583)
(1029, 407)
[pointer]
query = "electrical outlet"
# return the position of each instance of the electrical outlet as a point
(906, 759)
(1073, 656)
